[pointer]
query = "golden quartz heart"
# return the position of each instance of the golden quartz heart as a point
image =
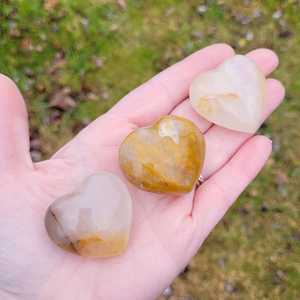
(165, 158)
(94, 220)
(232, 95)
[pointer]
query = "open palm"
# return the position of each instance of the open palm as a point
(166, 231)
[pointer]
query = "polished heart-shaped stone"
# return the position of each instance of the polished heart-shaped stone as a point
(232, 95)
(94, 220)
(166, 158)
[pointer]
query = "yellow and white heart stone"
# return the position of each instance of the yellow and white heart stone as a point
(165, 158)
(232, 95)
(94, 220)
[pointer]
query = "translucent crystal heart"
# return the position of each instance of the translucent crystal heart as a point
(166, 158)
(94, 220)
(232, 95)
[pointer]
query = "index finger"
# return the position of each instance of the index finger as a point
(161, 94)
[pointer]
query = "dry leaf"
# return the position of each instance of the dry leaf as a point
(169, 11)
(80, 125)
(196, 34)
(36, 156)
(281, 274)
(43, 36)
(13, 30)
(55, 117)
(66, 90)
(40, 87)
(97, 61)
(26, 45)
(281, 177)
(28, 96)
(282, 191)
(86, 121)
(92, 96)
(27, 71)
(122, 4)
(276, 280)
(211, 30)
(105, 96)
(58, 62)
(114, 27)
(35, 145)
(285, 34)
(49, 4)
(61, 100)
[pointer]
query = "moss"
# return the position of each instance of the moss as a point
(59, 46)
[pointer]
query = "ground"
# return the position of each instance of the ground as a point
(73, 60)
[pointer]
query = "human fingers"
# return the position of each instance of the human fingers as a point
(147, 103)
(14, 133)
(163, 92)
(265, 58)
(214, 197)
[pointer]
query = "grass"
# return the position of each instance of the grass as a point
(254, 252)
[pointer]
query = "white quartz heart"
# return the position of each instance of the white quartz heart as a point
(94, 220)
(232, 95)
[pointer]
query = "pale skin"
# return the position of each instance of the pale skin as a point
(166, 231)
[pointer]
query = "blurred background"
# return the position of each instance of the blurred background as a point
(73, 60)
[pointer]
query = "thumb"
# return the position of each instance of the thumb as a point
(14, 133)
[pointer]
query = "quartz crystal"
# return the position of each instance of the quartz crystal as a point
(166, 158)
(94, 220)
(232, 95)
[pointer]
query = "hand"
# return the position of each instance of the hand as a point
(166, 231)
